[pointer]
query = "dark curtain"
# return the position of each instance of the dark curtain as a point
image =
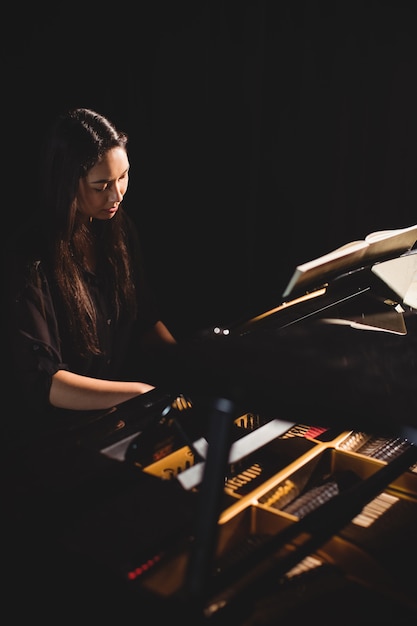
(262, 133)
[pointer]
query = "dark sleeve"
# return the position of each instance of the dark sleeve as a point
(33, 338)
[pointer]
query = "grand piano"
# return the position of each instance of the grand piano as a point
(272, 476)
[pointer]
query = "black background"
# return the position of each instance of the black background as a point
(262, 133)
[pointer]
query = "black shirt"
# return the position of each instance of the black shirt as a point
(40, 343)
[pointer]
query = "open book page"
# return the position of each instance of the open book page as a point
(400, 275)
(376, 246)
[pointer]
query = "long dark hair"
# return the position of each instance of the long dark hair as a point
(76, 141)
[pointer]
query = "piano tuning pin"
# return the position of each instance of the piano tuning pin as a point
(181, 403)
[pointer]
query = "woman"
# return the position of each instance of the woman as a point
(80, 310)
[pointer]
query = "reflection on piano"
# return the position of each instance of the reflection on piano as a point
(280, 482)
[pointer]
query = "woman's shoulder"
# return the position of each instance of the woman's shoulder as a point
(129, 224)
(131, 234)
(24, 253)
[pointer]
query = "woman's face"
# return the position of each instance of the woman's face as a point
(102, 190)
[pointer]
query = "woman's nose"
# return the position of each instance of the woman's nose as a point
(117, 194)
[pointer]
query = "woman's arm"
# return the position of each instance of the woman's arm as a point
(75, 392)
(158, 334)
